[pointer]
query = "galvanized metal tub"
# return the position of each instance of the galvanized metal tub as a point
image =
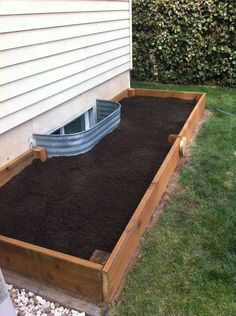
(108, 115)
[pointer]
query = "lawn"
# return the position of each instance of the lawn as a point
(187, 265)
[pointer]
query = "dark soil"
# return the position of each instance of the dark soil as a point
(78, 204)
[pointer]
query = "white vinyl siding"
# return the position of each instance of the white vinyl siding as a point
(52, 51)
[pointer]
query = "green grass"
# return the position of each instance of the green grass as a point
(188, 263)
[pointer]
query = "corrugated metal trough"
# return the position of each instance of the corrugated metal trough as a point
(106, 119)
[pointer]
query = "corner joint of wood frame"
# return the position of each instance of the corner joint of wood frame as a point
(40, 153)
(99, 256)
(131, 92)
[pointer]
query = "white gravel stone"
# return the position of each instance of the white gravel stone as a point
(30, 304)
(52, 306)
(9, 287)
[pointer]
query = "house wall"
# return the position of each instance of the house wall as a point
(16, 141)
(56, 58)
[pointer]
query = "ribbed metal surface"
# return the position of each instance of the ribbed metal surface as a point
(103, 110)
(108, 118)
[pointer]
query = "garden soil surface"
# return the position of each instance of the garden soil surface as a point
(78, 204)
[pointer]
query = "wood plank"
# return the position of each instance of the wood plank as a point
(40, 153)
(184, 95)
(15, 166)
(68, 272)
(131, 92)
(117, 264)
(194, 117)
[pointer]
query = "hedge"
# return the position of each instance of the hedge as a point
(185, 41)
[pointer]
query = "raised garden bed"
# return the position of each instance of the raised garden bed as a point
(94, 207)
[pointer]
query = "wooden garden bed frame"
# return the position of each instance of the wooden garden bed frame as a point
(101, 282)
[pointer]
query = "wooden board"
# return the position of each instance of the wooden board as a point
(116, 267)
(17, 165)
(120, 96)
(166, 94)
(14, 167)
(68, 272)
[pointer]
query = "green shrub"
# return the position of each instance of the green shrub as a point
(185, 41)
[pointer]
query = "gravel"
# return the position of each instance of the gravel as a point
(29, 304)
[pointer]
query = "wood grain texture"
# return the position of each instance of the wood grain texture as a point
(99, 256)
(15, 166)
(167, 94)
(194, 117)
(74, 274)
(116, 267)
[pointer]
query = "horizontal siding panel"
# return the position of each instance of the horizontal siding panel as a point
(22, 70)
(23, 54)
(25, 38)
(22, 116)
(25, 85)
(52, 51)
(15, 23)
(18, 103)
(51, 6)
